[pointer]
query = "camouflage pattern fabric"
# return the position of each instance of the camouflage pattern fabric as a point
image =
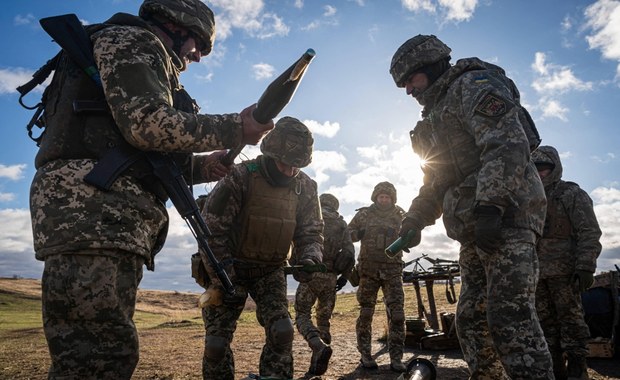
(570, 242)
(268, 288)
(496, 315)
(269, 293)
(473, 105)
(73, 219)
(89, 302)
(322, 288)
(378, 271)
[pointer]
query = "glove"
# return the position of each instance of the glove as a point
(488, 229)
(341, 282)
(410, 224)
(302, 276)
(584, 279)
(213, 169)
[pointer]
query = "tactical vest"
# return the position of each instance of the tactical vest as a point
(268, 221)
(334, 230)
(380, 232)
(557, 222)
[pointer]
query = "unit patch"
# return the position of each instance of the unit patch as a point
(492, 106)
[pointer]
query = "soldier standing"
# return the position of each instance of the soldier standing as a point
(376, 227)
(475, 139)
(567, 254)
(261, 209)
(94, 243)
(339, 258)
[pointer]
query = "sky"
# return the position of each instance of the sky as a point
(564, 56)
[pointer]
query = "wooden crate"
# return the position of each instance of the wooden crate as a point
(601, 348)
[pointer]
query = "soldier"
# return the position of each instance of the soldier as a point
(376, 227)
(256, 213)
(94, 243)
(567, 255)
(475, 139)
(339, 258)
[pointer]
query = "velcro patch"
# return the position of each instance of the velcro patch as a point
(492, 106)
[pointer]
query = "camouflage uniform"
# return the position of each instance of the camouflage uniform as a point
(376, 228)
(338, 257)
(570, 242)
(475, 140)
(254, 218)
(95, 242)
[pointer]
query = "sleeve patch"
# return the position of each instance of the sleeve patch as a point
(492, 106)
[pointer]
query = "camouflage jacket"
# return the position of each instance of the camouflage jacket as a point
(376, 229)
(338, 252)
(476, 152)
(223, 213)
(571, 237)
(139, 76)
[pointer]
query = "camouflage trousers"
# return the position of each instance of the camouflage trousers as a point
(88, 305)
(496, 319)
(322, 291)
(269, 294)
(389, 280)
(558, 303)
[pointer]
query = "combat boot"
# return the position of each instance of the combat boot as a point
(368, 362)
(321, 353)
(397, 365)
(559, 366)
(577, 368)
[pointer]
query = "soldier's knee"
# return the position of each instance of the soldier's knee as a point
(366, 312)
(398, 316)
(215, 348)
(281, 332)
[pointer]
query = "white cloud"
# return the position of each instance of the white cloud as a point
(607, 209)
(327, 129)
(603, 19)
(324, 162)
(299, 4)
(552, 108)
(11, 78)
(263, 71)
(607, 158)
(330, 11)
(448, 10)
(248, 16)
(24, 19)
(6, 197)
(554, 79)
(16, 231)
(12, 172)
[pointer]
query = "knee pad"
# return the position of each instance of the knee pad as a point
(281, 332)
(215, 348)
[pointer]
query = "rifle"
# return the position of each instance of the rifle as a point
(69, 33)
(275, 97)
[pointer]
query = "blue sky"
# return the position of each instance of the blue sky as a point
(564, 55)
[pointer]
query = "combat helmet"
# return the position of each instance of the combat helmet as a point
(290, 142)
(329, 201)
(191, 14)
(416, 53)
(384, 188)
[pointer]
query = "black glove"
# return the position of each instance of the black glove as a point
(302, 276)
(488, 228)
(341, 282)
(410, 224)
(584, 279)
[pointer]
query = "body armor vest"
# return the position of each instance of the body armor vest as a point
(381, 230)
(557, 223)
(335, 228)
(268, 221)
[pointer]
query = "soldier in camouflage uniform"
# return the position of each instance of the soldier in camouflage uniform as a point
(339, 258)
(94, 243)
(376, 227)
(261, 209)
(475, 139)
(567, 255)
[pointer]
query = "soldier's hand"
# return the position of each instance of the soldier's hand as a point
(488, 229)
(341, 282)
(213, 169)
(407, 225)
(253, 131)
(213, 296)
(301, 275)
(584, 279)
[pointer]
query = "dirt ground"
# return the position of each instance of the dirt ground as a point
(173, 350)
